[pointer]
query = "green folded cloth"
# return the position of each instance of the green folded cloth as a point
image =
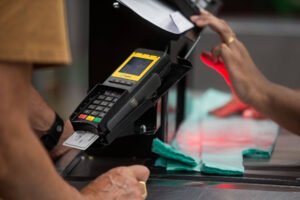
(223, 164)
(172, 165)
(166, 151)
(215, 146)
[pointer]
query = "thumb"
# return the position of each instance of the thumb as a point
(140, 172)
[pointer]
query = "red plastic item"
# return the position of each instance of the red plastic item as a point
(219, 66)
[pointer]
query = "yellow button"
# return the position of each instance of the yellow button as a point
(90, 118)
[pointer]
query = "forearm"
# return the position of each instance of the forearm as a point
(281, 104)
(27, 172)
(42, 117)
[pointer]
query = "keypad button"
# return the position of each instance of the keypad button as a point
(95, 113)
(101, 97)
(102, 114)
(107, 93)
(115, 94)
(106, 110)
(110, 105)
(115, 100)
(97, 102)
(97, 120)
(108, 98)
(99, 108)
(104, 103)
(87, 112)
(82, 116)
(92, 107)
(90, 118)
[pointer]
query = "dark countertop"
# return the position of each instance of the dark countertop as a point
(277, 178)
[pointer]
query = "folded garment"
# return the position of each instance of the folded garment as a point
(226, 141)
(216, 146)
(166, 151)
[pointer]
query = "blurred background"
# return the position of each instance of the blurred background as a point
(270, 29)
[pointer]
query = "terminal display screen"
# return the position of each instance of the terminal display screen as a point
(136, 66)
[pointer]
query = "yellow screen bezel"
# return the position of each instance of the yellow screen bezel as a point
(132, 77)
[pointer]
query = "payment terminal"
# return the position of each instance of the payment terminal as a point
(133, 82)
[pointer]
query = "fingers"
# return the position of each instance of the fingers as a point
(216, 52)
(141, 173)
(119, 183)
(216, 59)
(218, 25)
(221, 51)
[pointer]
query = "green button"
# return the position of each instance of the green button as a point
(97, 120)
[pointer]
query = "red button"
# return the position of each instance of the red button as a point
(82, 116)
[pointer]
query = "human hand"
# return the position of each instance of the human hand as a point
(245, 80)
(120, 183)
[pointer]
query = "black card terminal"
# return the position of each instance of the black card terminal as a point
(132, 82)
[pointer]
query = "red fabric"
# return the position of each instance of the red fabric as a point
(218, 66)
(235, 105)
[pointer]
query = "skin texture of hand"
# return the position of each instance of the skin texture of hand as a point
(239, 79)
(41, 116)
(120, 183)
(245, 78)
(279, 103)
(25, 163)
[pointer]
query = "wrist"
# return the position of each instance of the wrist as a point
(51, 138)
(43, 123)
(59, 149)
(261, 95)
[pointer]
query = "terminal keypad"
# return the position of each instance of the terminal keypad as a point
(100, 105)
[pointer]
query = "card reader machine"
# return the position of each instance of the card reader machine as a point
(107, 104)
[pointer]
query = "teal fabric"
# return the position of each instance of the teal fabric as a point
(223, 164)
(166, 151)
(215, 146)
(161, 162)
(173, 165)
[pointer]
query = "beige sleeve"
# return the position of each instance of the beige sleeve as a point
(34, 31)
